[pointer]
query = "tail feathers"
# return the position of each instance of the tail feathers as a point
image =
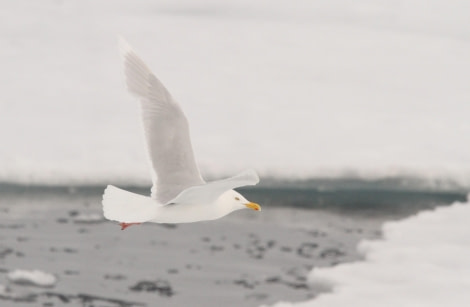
(126, 207)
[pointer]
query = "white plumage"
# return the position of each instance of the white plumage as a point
(179, 194)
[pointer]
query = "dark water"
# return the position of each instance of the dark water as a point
(357, 200)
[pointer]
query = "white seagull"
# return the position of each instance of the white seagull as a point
(179, 194)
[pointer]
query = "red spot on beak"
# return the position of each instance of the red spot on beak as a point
(253, 206)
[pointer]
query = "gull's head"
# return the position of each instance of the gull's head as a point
(236, 201)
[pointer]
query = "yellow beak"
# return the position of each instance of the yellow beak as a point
(253, 206)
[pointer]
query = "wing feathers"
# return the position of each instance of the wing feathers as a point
(210, 191)
(140, 80)
(166, 129)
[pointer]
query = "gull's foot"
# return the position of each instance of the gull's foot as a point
(125, 225)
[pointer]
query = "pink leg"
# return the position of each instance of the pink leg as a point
(125, 225)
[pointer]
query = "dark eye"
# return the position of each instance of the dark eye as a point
(236, 198)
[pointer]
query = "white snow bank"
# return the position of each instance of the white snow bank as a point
(33, 277)
(319, 88)
(421, 261)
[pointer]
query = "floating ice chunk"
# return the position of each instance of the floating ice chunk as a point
(88, 218)
(33, 278)
(3, 291)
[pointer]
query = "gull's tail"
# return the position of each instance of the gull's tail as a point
(126, 207)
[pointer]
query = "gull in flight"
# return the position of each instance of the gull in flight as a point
(179, 193)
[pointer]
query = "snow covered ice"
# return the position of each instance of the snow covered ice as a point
(319, 88)
(369, 89)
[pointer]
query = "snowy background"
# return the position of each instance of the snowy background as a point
(294, 89)
(290, 88)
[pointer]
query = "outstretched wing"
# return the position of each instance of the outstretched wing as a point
(166, 130)
(208, 193)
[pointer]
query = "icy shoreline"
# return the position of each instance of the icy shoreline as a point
(421, 260)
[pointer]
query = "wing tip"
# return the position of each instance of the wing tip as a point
(136, 72)
(124, 47)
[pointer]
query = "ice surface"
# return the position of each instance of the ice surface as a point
(243, 260)
(315, 88)
(421, 261)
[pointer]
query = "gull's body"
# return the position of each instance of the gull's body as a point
(179, 193)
